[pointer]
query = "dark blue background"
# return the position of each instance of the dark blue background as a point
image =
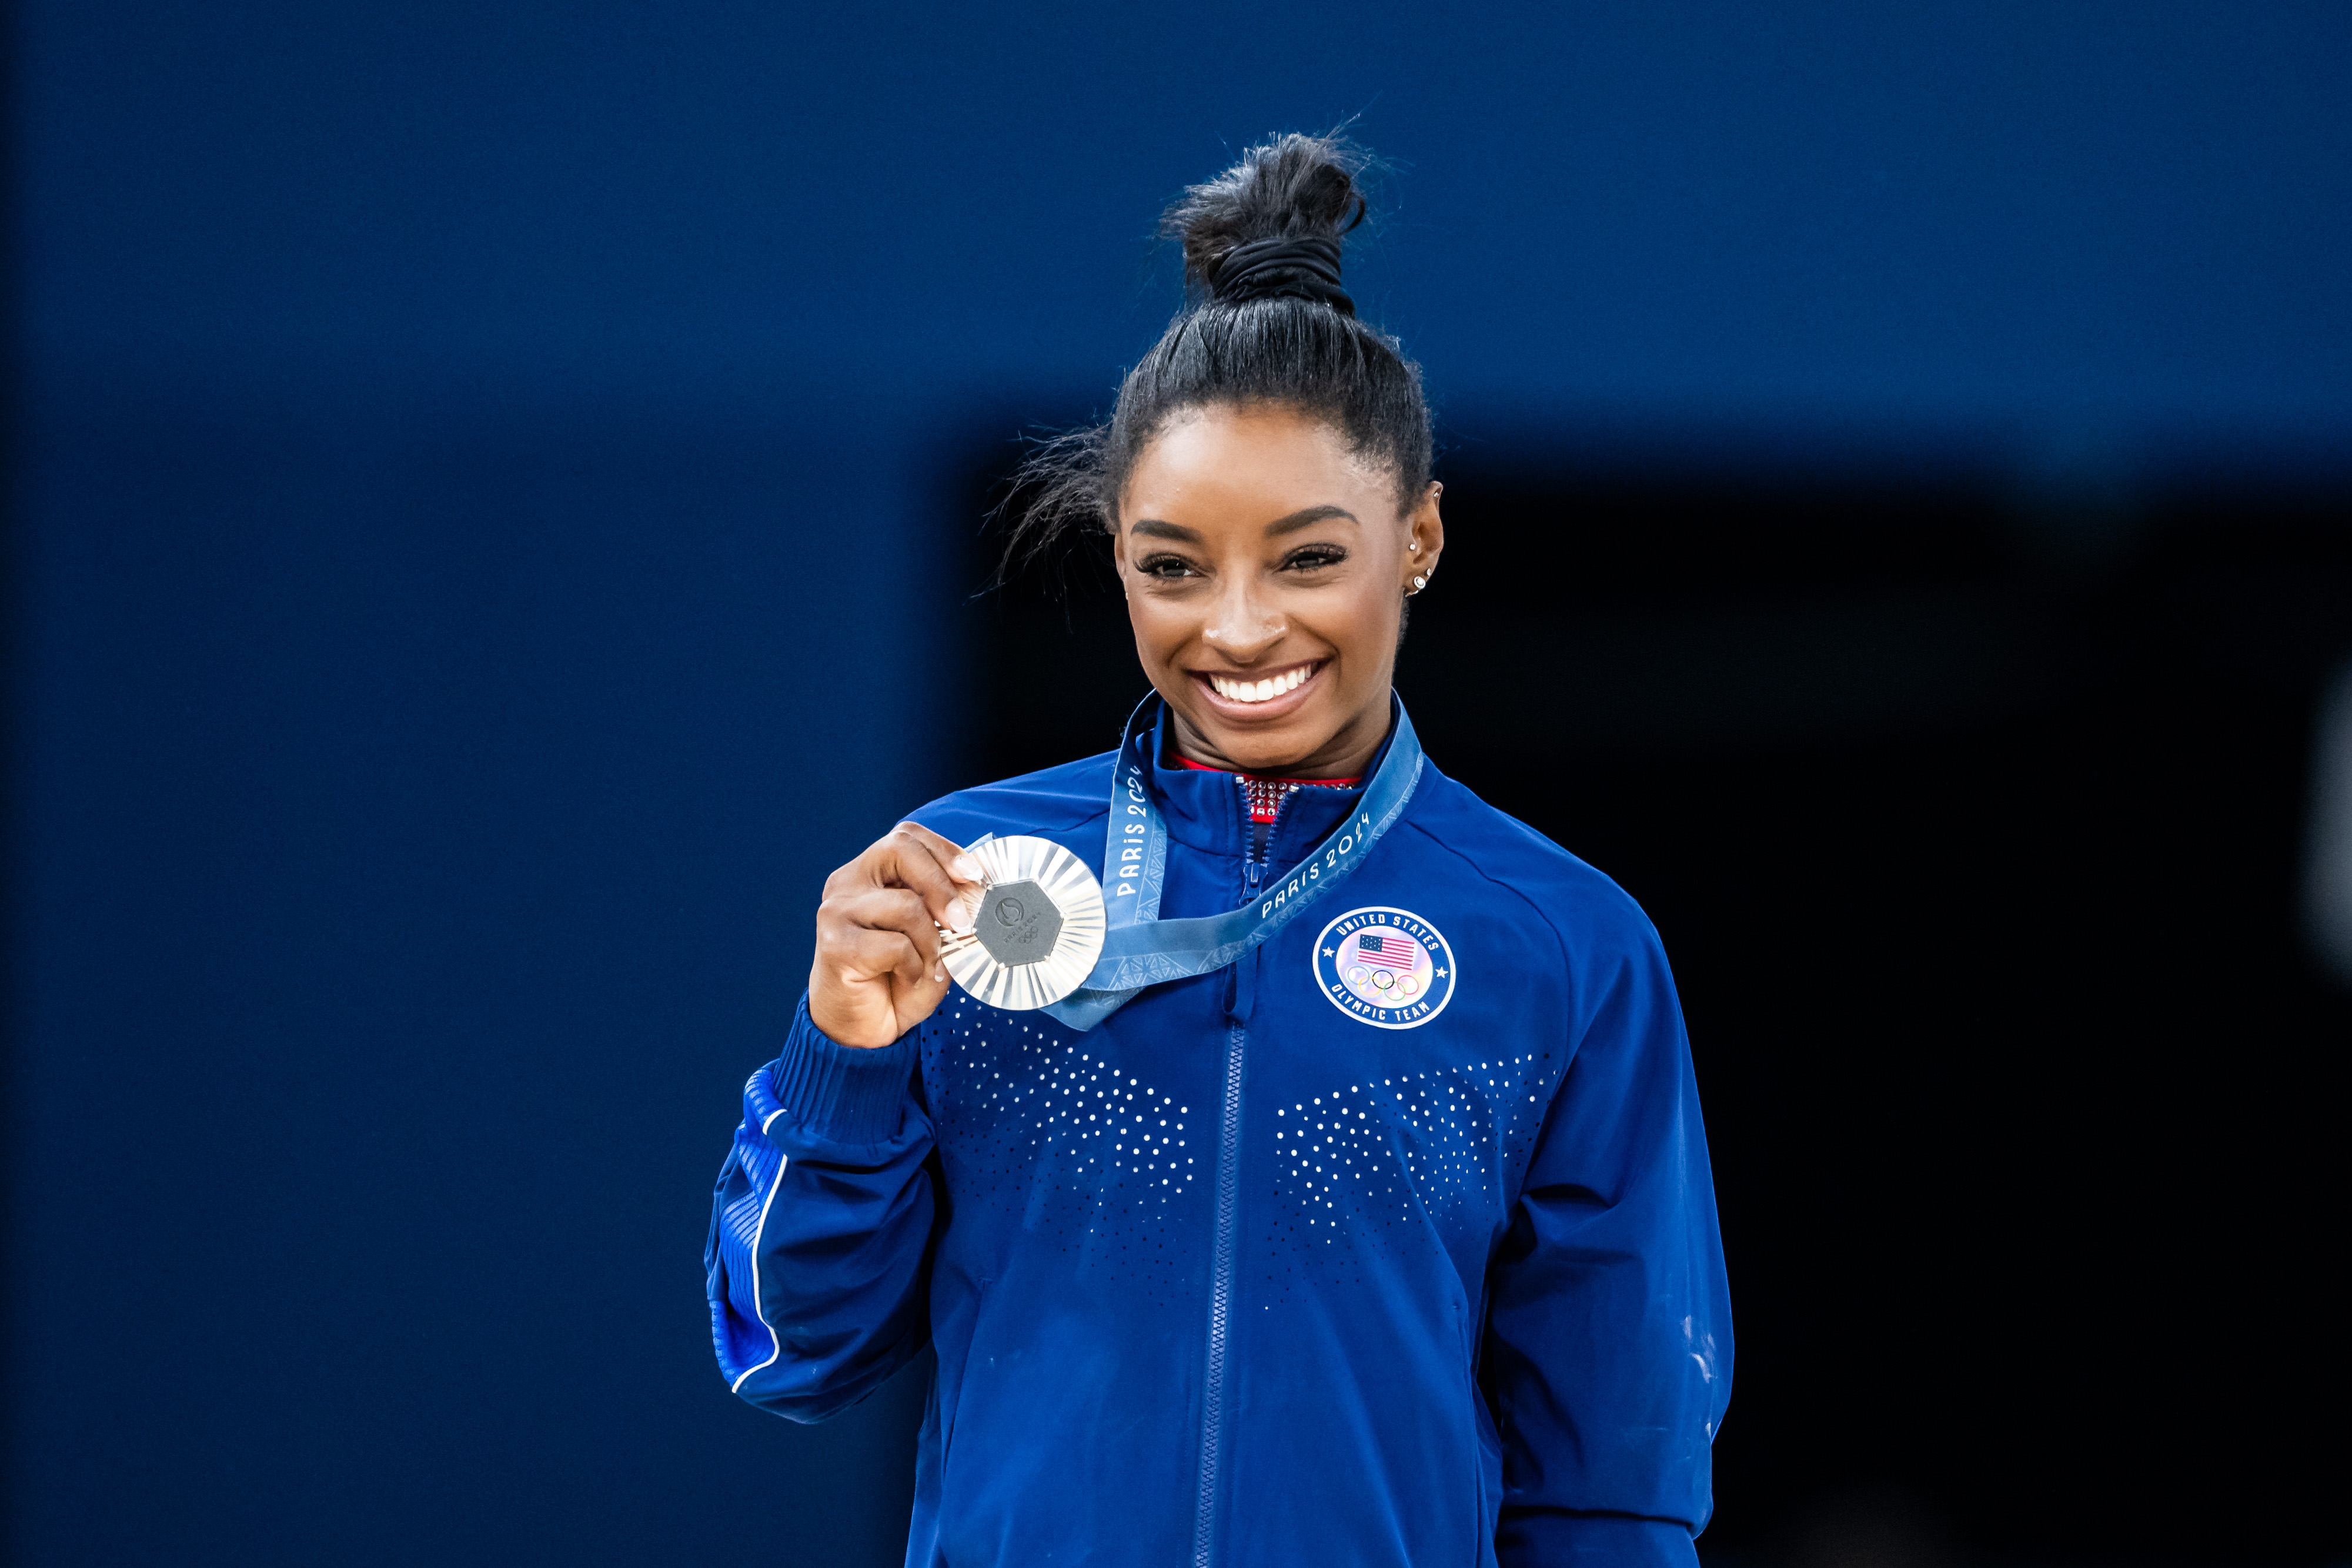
(492, 488)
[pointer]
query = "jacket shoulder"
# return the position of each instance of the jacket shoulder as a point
(1582, 904)
(1049, 800)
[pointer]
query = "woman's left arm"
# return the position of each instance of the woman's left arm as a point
(1607, 1361)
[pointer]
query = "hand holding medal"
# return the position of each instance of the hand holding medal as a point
(877, 973)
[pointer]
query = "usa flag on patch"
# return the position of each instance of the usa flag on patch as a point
(1389, 947)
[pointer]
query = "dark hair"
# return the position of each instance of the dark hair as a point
(1269, 326)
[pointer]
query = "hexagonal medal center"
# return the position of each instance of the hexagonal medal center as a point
(1018, 924)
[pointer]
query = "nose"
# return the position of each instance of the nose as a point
(1241, 625)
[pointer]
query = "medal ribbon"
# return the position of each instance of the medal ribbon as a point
(1139, 949)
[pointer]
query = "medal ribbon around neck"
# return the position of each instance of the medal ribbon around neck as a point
(1139, 949)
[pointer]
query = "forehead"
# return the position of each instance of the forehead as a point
(1244, 465)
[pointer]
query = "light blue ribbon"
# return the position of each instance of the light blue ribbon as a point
(1139, 949)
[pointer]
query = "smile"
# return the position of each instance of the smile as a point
(1236, 689)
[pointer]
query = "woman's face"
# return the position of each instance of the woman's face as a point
(1266, 568)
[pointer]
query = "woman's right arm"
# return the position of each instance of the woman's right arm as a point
(820, 1235)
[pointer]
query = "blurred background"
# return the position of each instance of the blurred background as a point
(495, 503)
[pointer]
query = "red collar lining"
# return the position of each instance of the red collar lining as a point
(1260, 779)
(1265, 796)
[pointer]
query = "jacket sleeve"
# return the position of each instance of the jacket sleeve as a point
(1607, 1361)
(818, 1258)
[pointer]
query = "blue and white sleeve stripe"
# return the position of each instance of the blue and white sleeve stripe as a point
(746, 1336)
(821, 1226)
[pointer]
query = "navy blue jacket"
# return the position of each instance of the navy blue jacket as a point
(1264, 1270)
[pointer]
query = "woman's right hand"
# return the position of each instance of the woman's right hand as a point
(877, 973)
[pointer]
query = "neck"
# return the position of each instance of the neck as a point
(1346, 754)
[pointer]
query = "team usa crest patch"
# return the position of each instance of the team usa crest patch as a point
(1385, 967)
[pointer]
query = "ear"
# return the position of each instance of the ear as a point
(1424, 536)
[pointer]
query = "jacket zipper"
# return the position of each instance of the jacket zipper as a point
(1256, 853)
(1221, 1256)
(1221, 1296)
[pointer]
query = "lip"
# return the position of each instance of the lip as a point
(1276, 707)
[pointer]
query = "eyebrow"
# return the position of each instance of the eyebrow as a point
(1306, 516)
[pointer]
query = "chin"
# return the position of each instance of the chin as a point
(1261, 748)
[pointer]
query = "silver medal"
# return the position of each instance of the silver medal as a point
(1039, 930)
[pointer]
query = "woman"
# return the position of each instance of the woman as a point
(1388, 1235)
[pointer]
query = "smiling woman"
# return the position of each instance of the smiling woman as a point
(1265, 571)
(1381, 1237)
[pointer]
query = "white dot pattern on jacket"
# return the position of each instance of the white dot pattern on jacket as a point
(1370, 1164)
(1036, 1122)
(1039, 1121)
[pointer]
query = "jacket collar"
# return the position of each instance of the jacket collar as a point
(1205, 810)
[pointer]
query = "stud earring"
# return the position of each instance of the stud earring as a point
(1418, 584)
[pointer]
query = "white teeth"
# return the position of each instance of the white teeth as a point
(1260, 691)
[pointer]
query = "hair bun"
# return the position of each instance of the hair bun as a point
(1307, 268)
(1270, 227)
(1267, 325)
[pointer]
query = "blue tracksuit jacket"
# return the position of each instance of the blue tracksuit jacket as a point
(1392, 1243)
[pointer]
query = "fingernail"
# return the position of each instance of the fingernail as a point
(966, 869)
(962, 913)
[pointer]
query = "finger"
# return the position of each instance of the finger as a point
(959, 862)
(949, 878)
(858, 954)
(896, 909)
(909, 963)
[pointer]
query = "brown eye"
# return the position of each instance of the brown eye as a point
(1165, 565)
(1311, 557)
